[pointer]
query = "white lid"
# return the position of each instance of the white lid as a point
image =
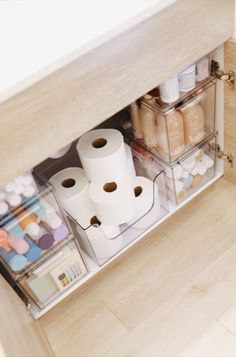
(189, 69)
(10, 187)
(33, 230)
(3, 208)
(14, 199)
(29, 191)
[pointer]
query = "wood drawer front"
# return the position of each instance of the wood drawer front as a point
(55, 111)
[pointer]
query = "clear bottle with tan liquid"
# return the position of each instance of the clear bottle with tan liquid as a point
(175, 129)
(135, 119)
(193, 115)
(148, 122)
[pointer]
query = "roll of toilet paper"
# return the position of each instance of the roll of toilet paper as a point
(103, 155)
(72, 188)
(114, 202)
(103, 247)
(147, 203)
(110, 232)
(131, 168)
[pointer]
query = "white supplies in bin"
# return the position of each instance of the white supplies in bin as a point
(104, 192)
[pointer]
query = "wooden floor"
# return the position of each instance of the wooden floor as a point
(174, 294)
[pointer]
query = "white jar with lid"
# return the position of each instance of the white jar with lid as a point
(187, 79)
(169, 90)
(203, 69)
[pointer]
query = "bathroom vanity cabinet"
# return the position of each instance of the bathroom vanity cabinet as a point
(91, 86)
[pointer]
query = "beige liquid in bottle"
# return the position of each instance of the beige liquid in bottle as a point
(135, 119)
(175, 128)
(148, 123)
(193, 115)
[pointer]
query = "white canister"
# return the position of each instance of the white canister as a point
(202, 69)
(169, 90)
(187, 79)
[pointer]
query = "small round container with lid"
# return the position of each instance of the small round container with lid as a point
(169, 90)
(187, 79)
(203, 69)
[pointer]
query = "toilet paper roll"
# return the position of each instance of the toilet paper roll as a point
(103, 247)
(144, 199)
(114, 202)
(131, 168)
(152, 215)
(103, 155)
(72, 188)
(110, 232)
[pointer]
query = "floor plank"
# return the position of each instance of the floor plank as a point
(215, 341)
(163, 294)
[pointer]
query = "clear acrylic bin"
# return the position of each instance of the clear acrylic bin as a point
(54, 276)
(102, 243)
(170, 130)
(187, 175)
(30, 230)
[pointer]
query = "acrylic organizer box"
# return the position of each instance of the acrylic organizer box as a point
(57, 273)
(31, 224)
(187, 175)
(108, 203)
(103, 241)
(170, 130)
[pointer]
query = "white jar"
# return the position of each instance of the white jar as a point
(203, 70)
(187, 79)
(169, 90)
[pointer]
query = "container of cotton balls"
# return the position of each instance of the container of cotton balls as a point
(191, 173)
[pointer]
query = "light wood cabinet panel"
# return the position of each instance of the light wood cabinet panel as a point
(230, 111)
(19, 334)
(55, 111)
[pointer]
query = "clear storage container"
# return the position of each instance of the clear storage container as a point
(178, 127)
(55, 275)
(31, 229)
(103, 242)
(187, 175)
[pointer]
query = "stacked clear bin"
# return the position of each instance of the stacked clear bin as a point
(171, 130)
(185, 176)
(101, 248)
(30, 234)
(177, 137)
(91, 238)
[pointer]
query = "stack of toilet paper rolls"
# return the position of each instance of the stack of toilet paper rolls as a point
(106, 193)
(190, 173)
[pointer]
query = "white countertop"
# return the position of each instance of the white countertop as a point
(38, 37)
